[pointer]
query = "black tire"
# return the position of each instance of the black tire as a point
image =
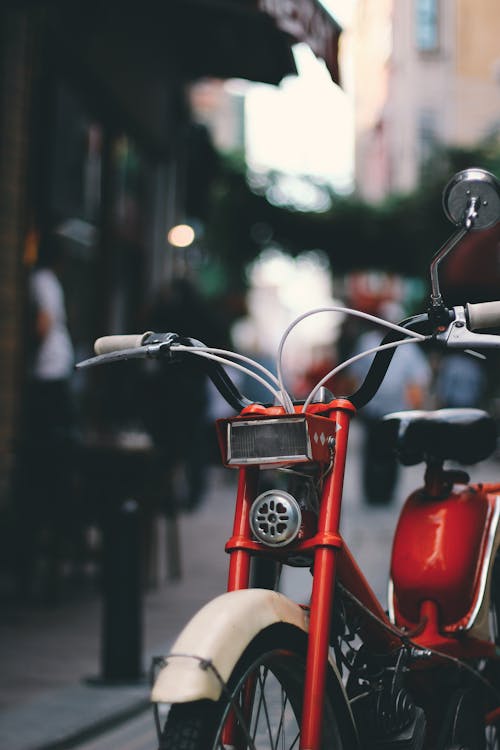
(493, 668)
(495, 601)
(379, 466)
(491, 671)
(275, 663)
(464, 725)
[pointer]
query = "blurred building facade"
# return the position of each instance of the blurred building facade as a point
(96, 141)
(222, 111)
(427, 72)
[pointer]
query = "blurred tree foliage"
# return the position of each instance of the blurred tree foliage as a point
(400, 234)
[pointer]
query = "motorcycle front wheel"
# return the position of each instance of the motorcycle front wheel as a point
(266, 686)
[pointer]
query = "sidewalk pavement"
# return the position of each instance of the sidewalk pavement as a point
(50, 657)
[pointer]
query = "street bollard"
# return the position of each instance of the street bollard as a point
(121, 640)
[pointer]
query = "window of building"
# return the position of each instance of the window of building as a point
(426, 25)
(427, 137)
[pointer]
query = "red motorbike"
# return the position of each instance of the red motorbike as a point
(255, 670)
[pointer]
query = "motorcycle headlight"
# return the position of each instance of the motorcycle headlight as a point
(268, 441)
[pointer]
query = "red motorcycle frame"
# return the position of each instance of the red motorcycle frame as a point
(437, 583)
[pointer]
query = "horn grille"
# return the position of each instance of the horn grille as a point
(275, 518)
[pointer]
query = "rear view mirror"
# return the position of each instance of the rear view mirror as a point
(471, 199)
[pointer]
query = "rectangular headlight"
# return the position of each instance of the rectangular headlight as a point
(268, 441)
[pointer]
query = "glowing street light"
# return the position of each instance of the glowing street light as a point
(182, 235)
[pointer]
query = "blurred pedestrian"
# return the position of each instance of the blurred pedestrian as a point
(460, 381)
(44, 461)
(177, 401)
(404, 387)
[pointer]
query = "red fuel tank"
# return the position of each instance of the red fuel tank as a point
(437, 554)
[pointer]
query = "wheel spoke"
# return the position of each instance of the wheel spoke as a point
(277, 739)
(261, 701)
(282, 717)
(266, 712)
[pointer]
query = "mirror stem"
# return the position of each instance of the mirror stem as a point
(436, 298)
(468, 220)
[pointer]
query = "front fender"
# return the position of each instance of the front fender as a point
(218, 634)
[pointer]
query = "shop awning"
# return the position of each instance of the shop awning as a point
(253, 39)
(308, 21)
(133, 56)
(223, 38)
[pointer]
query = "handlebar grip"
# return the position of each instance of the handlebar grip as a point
(107, 344)
(484, 315)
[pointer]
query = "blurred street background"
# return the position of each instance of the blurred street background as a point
(212, 168)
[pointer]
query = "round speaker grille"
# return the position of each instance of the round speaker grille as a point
(275, 518)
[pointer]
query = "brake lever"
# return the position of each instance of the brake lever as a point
(472, 353)
(458, 336)
(137, 352)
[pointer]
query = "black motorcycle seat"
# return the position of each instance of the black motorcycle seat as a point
(463, 435)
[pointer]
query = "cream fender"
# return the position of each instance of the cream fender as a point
(219, 633)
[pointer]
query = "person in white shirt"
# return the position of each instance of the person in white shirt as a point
(43, 476)
(53, 358)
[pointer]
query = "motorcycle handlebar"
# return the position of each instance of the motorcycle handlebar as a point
(108, 344)
(483, 315)
(158, 344)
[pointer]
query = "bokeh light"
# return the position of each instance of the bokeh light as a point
(182, 235)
